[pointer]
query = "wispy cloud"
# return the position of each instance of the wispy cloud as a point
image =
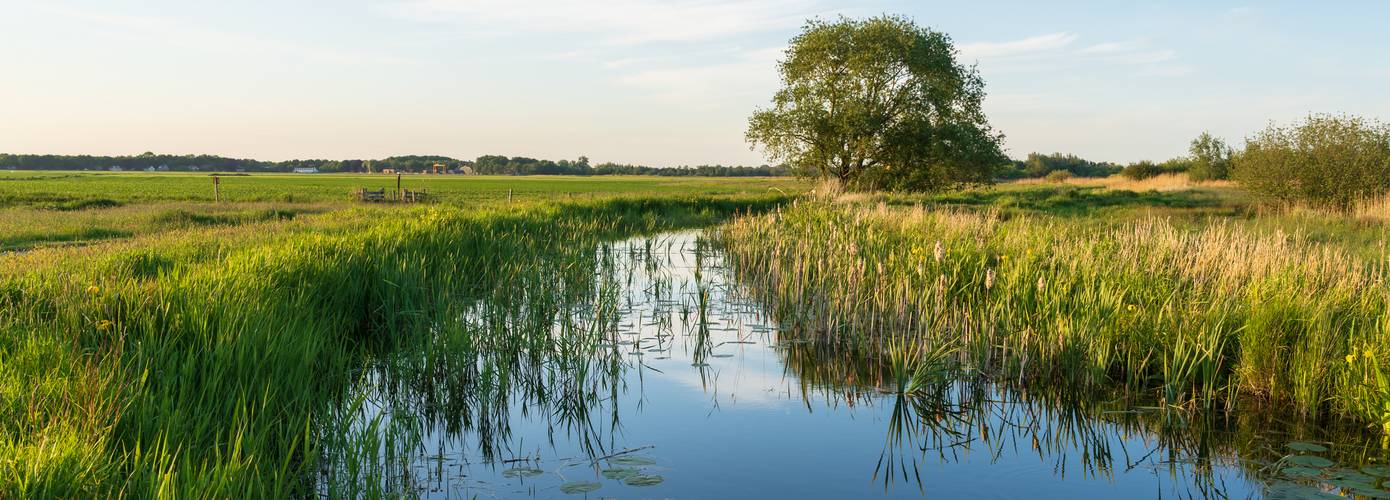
(748, 72)
(1055, 51)
(183, 33)
(617, 22)
(1115, 47)
(1032, 45)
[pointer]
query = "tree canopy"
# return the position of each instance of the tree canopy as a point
(878, 103)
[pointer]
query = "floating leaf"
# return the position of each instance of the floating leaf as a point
(1371, 492)
(631, 460)
(1305, 446)
(1377, 470)
(1348, 484)
(577, 487)
(522, 472)
(1351, 475)
(1310, 461)
(1301, 472)
(643, 480)
(620, 473)
(1292, 491)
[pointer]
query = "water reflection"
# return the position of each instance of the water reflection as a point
(639, 369)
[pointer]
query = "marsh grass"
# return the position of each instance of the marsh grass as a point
(200, 362)
(1201, 318)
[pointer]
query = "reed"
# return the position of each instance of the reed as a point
(1203, 317)
(204, 361)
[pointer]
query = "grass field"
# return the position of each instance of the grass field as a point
(70, 190)
(45, 208)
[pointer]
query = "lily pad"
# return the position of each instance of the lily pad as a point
(643, 480)
(1302, 472)
(1291, 491)
(1305, 446)
(631, 460)
(1370, 492)
(1347, 484)
(522, 472)
(1377, 470)
(1351, 475)
(620, 473)
(1310, 461)
(577, 487)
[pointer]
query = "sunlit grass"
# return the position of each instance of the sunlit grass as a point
(194, 361)
(1206, 317)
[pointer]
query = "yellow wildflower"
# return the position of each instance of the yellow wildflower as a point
(104, 324)
(1368, 354)
(93, 289)
(1351, 357)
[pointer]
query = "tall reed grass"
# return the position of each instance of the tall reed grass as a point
(1208, 318)
(202, 362)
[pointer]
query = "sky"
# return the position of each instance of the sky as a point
(656, 82)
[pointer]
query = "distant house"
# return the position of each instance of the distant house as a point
(163, 168)
(149, 169)
(116, 168)
(306, 170)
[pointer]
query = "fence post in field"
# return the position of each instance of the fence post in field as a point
(398, 186)
(216, 188)
(509, 197)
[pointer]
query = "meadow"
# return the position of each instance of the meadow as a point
(155, 343)
(41, 208)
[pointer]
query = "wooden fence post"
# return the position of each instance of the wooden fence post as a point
(216, 188)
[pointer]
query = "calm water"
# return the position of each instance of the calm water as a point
(671, 383)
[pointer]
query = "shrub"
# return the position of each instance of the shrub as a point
(1058, 176)
(1328, 160)
(1146, 169)
(1211, 158)
(1141, 170)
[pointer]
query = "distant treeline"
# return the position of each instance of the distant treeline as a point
(1059, 165)
(488, 164)
(1040, 165)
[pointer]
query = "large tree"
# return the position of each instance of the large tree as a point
(878, 103)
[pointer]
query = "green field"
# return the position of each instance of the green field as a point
(68, 190)
(45, 208)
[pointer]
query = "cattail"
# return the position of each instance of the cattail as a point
(989, 279)
(939, 252)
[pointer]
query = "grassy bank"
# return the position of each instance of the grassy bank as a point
(194, 362)
(1211, 316)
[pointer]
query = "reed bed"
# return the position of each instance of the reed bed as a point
(1209, 318)
(202, 362)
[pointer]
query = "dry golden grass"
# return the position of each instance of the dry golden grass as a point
(1165, 182)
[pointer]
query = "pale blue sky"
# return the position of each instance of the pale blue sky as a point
(642, 81)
